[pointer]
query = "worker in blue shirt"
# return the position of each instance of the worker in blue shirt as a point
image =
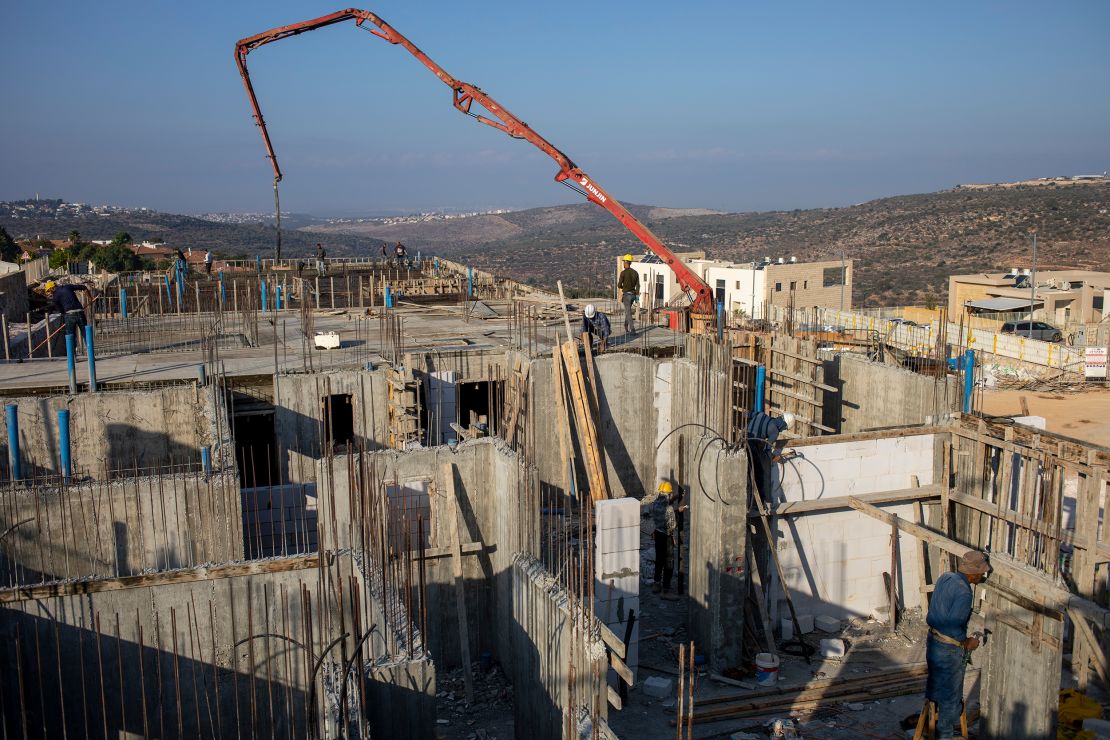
(948, 645)
(596, 324)
(64, 298)
(763, 448)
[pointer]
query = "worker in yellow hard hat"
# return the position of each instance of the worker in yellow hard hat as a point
(628, 285)
(65, 301)
(663, 504)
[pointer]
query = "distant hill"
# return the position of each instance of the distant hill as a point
(54, 219)
(904, 247)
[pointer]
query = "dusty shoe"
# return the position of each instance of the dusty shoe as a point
(656, 588)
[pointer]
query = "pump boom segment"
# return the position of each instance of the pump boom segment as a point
(465, 96)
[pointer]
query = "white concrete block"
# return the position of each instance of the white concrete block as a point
(833, 648)
(613, 565)
(659, 687)
(617, 512)
(805, 623)
(618, 539)
(827, 624)
(787, 628)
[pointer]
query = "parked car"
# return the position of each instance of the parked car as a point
(905, 322)
(1033, 330)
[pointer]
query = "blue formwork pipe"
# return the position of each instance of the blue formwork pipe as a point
(263, 284)
(969, 378)
(760, 379)
(470, 282)
(258, 263)
(437, 266)
(92, 357)
(63, 443)
(720, 322)
(277, 297)
(71, 362)
(223, 291)
(206, 459)
(388, 297)
(123, 303)
(13, 442)
(181, 283)
(169, 296)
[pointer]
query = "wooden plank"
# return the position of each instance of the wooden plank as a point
(914, 431)
(452, 514)
(622, 669)
(203, 573)
(1091, 646)
(1038, 586)
(787, 508)
(592, 380)
(920, 555)
(587, 433)
(614, 643)
(802, 379)
(566, 449)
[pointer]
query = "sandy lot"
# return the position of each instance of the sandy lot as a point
(1084, 415)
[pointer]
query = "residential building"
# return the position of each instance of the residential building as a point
(746, 288)
(1061, 296)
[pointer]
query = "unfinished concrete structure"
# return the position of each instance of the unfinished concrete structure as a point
(247, 536)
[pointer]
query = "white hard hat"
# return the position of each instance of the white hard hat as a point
(789, 419)
(590, 311)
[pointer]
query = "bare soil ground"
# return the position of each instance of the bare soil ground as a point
(1084, 415)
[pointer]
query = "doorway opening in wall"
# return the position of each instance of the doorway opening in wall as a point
(480, 403)
(338, 413)
(256, 449)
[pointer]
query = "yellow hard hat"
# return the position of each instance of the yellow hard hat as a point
(627, 258)
(50, 285)
(665, 487)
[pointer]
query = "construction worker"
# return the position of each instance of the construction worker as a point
(400, 252)
(948, 648)
(628, 283)
(596, 323)
(664, 535)
(208, 259)
(764, 448)
(321, 255)
(65, 300)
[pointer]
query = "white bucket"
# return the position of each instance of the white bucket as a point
(766, 669)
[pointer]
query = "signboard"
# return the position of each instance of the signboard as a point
(1095, 362)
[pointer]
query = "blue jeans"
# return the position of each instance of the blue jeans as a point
(945, 684)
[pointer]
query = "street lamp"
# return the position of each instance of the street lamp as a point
(1033, 279)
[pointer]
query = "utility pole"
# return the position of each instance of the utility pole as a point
(1033, 279)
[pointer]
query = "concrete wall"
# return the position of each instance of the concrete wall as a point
(298, 415)
(876, 396)
(119, 528)
(834, 560)
(488, 484)
(543, 640)
(630, 403)
(13, 296)
(113, 432)
(138, 648)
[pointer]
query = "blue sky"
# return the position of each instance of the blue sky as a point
(736, 106)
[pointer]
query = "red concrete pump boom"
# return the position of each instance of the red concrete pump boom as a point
(465, 96)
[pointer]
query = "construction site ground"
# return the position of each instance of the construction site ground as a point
(1082, 414)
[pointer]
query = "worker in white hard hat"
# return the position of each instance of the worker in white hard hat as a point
(595, 325)
(764, 449)
(662, 507)
(628, 284)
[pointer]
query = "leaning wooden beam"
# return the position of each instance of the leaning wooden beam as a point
(1037, 587)
(867, 436)
(787, 508)
(203, 573)
(587, 431)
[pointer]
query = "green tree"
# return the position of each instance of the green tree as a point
(75, 237)
(121, 238)
(9, 250)
(116, 258)
(60, 258)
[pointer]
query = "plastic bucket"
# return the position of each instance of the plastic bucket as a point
(766, 669)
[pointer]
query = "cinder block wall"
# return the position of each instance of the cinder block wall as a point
(834, 560)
